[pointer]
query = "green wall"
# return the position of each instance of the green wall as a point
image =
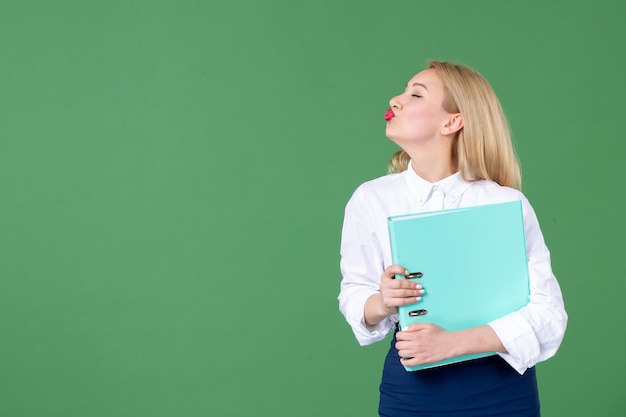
(173, 176)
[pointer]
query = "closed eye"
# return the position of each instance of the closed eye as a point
(415, 95)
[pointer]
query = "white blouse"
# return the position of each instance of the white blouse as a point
(530, 335)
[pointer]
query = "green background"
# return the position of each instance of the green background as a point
(173, 176)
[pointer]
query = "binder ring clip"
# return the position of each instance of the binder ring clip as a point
(417, 313)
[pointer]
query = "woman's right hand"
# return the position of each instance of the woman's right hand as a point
(398, 292)
(393, 294)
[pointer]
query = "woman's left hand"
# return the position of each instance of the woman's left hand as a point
(423, 343)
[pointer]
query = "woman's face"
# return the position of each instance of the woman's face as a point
(418, 113)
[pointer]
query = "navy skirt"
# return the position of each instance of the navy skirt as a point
(477, 388)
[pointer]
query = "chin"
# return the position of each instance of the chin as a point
(392, 137)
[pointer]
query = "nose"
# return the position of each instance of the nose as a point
(395, 103)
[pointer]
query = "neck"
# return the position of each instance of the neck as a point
(431, 164)
(432, 173)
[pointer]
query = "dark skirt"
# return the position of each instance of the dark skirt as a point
(477, 388)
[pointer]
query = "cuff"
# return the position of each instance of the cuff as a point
(519, 340)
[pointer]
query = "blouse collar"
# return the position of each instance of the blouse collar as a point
(452, 186)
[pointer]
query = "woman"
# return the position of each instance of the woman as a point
(456, 152)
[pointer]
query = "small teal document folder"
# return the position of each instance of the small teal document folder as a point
(473, 265)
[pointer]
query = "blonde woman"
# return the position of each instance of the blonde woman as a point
(456, 152)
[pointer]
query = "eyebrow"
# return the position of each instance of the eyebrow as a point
(419, 85)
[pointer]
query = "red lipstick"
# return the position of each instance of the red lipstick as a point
(389, 115)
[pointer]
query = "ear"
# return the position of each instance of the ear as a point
(453, 125)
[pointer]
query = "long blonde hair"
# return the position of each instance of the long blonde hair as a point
(483, 148)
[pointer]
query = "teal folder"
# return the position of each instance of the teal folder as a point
(473, 265)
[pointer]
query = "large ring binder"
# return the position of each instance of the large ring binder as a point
(456, 252)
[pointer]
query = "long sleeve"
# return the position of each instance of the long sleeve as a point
(534, 333)
(361, 265)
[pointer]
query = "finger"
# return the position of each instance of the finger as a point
(400, 301)
(405, 351)
(402, 336)
(392, 270)
(409, 300)
(402, 292)
(400, 296)
(400, 284)
(410, 361)
(417, 327)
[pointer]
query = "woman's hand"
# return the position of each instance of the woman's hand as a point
(398, 292)
(393, 294)
(423, 343)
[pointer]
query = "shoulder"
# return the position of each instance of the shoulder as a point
(381, 187)
(378, 198)
(486, 192)
(496, 193)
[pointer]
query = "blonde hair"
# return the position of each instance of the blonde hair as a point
(483, 148)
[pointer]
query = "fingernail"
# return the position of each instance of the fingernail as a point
(418, 299)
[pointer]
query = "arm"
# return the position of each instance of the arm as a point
(534, 333)
(369, 294)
